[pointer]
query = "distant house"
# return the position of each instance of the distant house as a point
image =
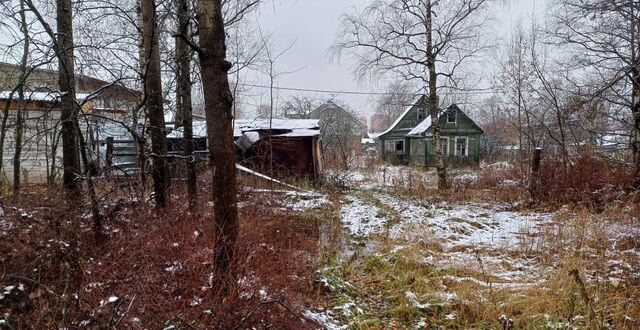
(341, 132)
(101, 102)
(295, 144)
(409, 140)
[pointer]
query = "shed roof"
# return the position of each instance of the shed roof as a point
(290, 127)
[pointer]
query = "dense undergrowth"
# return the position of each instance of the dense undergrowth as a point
(154, 268)
(300, 268)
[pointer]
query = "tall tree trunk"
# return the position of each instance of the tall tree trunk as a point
(433, 101)
(140, 142)
(218, 108)
(69, 111)
(153, 93)
(635, 81)
(20, 111)
(636, 122)
(184, 112)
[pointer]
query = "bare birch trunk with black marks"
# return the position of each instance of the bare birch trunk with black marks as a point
(153, 95)
(433, 100)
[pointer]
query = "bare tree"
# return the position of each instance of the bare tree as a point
(214, 68)
(421, 40)
(397, 97)
(299, 106)
(21, 110)
(154, 100)
(601, 40)
(184, 108)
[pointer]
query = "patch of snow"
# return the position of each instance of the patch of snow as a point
(174, 268)
(362, 219)
(109, 300)
(263, 294)
(346, 309)
(413, 299)
(325, 320)
(196, 301)
(466, 178)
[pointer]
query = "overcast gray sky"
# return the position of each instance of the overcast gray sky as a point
(313, 25)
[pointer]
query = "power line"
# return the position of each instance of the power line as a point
(328, 91)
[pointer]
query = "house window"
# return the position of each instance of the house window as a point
(462, 146)
(422, 114)
(444, 146)
(394, 146)
(388, 147)
(451, 116)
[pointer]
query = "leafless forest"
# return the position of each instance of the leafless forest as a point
(149, 180)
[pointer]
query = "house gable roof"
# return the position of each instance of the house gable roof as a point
(424, 128)
(332, 106)
(395, 126)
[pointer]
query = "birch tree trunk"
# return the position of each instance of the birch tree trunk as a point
(218, 109)
(635, 81)
(433, 100)
(153, 93)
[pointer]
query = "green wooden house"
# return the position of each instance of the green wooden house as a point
(409, 140)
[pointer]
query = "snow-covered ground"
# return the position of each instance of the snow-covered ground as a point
(492, 244)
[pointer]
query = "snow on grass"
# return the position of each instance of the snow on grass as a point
(362, 218)
(324, 319)
(472, 236)
(302, 201)
(463, 224)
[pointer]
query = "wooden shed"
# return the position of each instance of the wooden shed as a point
(293, 144)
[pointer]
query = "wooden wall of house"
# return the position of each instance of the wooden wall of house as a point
(473, 157)
(41, 133)
(41, 137)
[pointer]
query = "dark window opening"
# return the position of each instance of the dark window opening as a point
(422, 114)
(399, 146)
(461, 146)
(451, 116)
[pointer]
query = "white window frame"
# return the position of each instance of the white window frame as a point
(389, 146)
(466, 147)
(392, 144)
(446, 153)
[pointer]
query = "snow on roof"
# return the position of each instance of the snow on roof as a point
(277, 123)
(367, 141)
(373, 135)
(297, 127)
(404, 113)
(301, 133)
(40, 96)
(422, 127)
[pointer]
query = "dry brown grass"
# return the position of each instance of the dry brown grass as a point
(158, 264)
